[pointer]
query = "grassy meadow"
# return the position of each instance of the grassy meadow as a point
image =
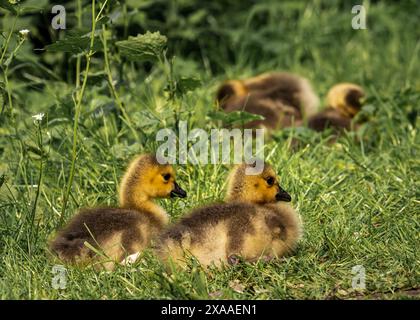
(105, 94)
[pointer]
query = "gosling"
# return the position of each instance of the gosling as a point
(344, 101)
(254, 222)
(283, 99)
(119, 232)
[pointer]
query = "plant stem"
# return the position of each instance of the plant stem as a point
(6, 78)
(170, 78)
(8, 39)
(79, 25)
(5, 71)
(78, 107)
(9, 94)
(112, 87)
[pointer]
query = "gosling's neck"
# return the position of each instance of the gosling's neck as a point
(142, 202)
(237, 197)
(346, 113)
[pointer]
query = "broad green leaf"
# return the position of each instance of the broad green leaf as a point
(8, 5)
(31, 6)
(184, 85)
(143, 47)
(235, 117)
(74, 43)
(63, 108)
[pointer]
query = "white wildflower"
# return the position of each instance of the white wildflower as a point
(130, 259)
(24, 32)
(38, 117)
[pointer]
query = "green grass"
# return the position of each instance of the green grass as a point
(358, 198)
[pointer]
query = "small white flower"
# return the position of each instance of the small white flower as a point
(130, 259)
(38, 117)
(24, 32)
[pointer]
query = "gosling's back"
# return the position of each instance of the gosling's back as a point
(114, 231)
(213, 233)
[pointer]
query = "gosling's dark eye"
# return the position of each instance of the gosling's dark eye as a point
(167, 176)
(270, 181)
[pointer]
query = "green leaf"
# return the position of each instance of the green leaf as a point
(31, 6)
(102, 20)
(144, 119)
(143, 47)
(8, 5)
(185, 84)
(74, 43)
(63, 108)
(235, 117)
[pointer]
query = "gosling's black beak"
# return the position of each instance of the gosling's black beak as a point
(178, 192)
(283, 195)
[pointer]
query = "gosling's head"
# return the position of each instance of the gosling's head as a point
(346, 98)
(146, 179)
(230, 89)
(261, 188)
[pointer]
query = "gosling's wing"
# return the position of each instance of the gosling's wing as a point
(235, 215)
(90, 225)
(329, 118)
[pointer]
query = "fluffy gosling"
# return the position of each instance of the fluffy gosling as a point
(255, 222)
(343, 103)
(282, 98)
(119, 232)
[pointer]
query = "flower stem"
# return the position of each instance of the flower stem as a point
(112, 87)
(6, 78)
(79, 25)
(6, 45)
(78, 102)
